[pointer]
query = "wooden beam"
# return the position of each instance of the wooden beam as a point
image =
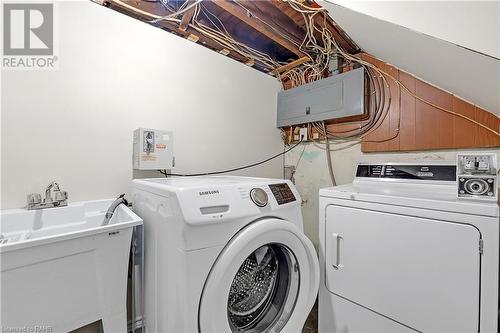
(193, 38)
(280, 21)
(147, 11)
(286, 9)
(186, 17)
(265, 29)
(290, 65)
(144, 10)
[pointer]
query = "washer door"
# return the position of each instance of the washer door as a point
(265, 280)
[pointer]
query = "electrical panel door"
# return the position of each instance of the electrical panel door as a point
(338, 96)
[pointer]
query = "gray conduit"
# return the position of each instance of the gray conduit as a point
(329, 156)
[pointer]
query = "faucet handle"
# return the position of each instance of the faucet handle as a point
(34, 199)
(60, 195)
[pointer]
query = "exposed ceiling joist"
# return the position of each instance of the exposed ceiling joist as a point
(265, 34)
(264, 28)
(144, 9)
(290, 65)
(267, 11)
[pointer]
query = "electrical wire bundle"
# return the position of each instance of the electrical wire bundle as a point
(381, 95)
(320, 55)
(219, 33)
(224, 38)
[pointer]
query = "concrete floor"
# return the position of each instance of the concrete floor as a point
(95, 327)
(311, 325)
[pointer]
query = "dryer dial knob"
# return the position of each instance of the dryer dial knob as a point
(259, 197)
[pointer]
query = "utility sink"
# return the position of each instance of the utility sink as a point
(61, 269)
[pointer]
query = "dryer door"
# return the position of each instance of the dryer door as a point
(265, 280)
(423, 273)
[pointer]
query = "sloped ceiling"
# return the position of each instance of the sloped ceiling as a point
(473, 75)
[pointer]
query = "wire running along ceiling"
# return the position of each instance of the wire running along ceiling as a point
(293, 40)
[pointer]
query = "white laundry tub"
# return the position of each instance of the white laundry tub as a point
(60, 269)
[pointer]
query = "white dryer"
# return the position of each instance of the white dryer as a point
(400, 253)
(225, 254)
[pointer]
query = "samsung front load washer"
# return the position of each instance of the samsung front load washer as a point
(225, 254)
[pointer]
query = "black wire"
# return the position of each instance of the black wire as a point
(164, 172)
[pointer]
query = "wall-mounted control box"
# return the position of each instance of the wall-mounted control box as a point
(153, 149)
(477, 176)
(338, 96)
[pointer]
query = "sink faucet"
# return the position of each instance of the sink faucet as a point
(111, 210)
(60, 198)
(48, 196)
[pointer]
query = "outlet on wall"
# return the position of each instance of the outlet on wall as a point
(303, 133)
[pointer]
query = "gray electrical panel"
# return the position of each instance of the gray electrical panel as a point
(337, 96)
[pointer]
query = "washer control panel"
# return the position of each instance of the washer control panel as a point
(282, 193)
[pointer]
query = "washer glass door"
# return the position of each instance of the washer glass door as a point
(264, 280)
(264, 291)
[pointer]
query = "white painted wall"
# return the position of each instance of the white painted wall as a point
(470, 75)
(115, 74)
(471, 24)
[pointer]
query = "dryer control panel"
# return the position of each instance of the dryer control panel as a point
(407, 171)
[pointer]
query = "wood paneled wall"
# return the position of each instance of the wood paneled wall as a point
(411, 124)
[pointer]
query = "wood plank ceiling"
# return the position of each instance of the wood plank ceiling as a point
(270, 35)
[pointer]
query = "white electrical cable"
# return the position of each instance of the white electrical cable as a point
(226, 40)
(176, 13)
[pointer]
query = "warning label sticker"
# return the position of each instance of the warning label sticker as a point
(148, 157)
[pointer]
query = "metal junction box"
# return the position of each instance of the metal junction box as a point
(338, 96)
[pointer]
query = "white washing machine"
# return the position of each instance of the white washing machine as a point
(225, 254)
(400, 253)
